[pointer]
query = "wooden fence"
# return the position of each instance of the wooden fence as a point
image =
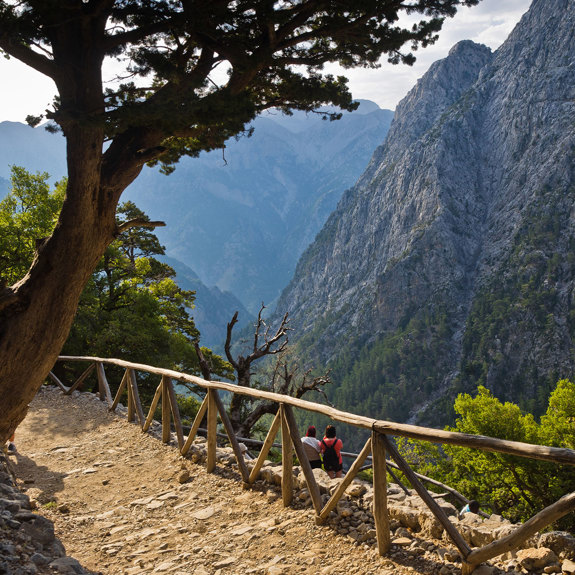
(378, 445)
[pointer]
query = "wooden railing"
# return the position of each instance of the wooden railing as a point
(378, 445)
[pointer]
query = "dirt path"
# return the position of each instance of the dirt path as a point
(115, 497)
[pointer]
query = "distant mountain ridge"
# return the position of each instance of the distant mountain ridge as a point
(214, 308)
(32, 148)
(450, 263)
(237, 219)
(241, 217)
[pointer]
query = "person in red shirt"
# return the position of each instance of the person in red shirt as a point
(331, 448)
(11, 446)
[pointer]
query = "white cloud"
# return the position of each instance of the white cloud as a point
(24, 92)
(28, 92)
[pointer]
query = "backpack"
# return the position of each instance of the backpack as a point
(330, 457)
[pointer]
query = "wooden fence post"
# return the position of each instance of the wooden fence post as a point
(287, 461)
(433, 506)
(130, 390)
(303, 460)
(153, 406)
(137, 404)
(212, 430)
(103, 387)
(233, 439)
(544, 518)
(123, 384)
(195, 426)
(166, 419)
(173, 402)
(55, 379)
(380, 512)
(80, 380)
(268, 442)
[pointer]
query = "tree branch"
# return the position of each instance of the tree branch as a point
(139, 223)
(227, 345)
(265, 349)
(204, 365)
(27, 56)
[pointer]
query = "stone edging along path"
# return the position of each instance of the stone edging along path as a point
(121, 502)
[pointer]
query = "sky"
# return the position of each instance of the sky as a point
(28, 92)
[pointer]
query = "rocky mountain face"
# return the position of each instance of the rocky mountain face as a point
(450, 263)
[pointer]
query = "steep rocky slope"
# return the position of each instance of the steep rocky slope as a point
(450, 262)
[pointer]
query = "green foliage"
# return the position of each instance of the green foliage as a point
(558, 423)
(131, 307)
(523, 298)
(514, 487)
(27, 215)
(388, 377)
(189, 407)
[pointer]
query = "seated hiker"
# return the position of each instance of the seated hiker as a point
(311, 447)
(471, 507)
(331, 448)
(11, 446)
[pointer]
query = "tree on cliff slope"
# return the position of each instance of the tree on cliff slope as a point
(273, 52)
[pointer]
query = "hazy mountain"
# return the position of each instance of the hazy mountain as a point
(33, 148)
(242, 216)
(214, 308)
(450, 263)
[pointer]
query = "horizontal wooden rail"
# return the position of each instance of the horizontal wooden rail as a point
(379, 445)
(335, 414)
(482, 442)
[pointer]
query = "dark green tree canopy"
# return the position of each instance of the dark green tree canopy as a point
(274, 53)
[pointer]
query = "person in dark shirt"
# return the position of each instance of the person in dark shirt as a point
(331, 448)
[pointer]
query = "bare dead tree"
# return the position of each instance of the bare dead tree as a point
(285, 377)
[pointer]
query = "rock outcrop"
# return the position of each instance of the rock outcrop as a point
(28, 544)
(450, 261)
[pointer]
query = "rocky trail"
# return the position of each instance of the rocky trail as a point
(118, 505)
(94, 495)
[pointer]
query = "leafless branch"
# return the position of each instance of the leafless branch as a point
(204, 365)
(228, 344)
(266, 347)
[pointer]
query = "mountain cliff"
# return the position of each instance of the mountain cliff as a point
(450, 263)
